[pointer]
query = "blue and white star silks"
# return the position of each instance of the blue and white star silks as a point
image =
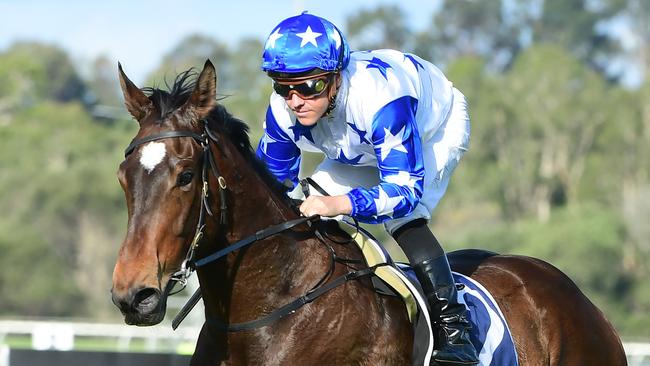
(301, 131)
(392, 142)
(376, 63)
(308, 36)
(413, 60)
(402, 178)
(397, 146)
(270, 43)
(344, 159)
(361, 133)
(377, 122)
(279, 151)
(385, 203)
(304, 42)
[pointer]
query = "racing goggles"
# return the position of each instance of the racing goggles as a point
(308, 89)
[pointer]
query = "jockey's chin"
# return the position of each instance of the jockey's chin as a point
(307, 119)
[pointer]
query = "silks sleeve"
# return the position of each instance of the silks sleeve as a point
(279, 151)
(398, 147)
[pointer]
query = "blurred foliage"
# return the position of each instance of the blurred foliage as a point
(558, 166)
(57, 177)
(381, 27)
(32, 72)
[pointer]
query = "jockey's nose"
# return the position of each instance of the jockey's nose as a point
(295, 100)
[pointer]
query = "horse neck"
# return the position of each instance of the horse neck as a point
(252, 204)
(260, 275)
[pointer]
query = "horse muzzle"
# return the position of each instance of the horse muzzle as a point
(143, 306)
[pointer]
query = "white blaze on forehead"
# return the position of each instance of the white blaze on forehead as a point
(152, 154)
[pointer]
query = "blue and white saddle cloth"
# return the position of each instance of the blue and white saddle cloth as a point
(489, 335)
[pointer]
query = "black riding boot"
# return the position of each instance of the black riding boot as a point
(450, 325)
(448, 317)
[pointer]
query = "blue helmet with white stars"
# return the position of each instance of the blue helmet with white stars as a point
(303, 43)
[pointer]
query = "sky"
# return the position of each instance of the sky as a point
(139, 32)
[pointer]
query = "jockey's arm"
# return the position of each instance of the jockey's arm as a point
(398, 149)
(278, 151)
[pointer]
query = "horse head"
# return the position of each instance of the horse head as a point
(162, 181)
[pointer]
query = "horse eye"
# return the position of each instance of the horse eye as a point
(184, 178)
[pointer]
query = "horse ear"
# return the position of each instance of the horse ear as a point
(203, 98)
(137, 103)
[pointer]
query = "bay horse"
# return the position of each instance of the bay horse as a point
(193, 186)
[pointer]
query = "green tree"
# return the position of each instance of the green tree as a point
(243, 87)
(57, 171)
(637, 13)
(382, 27)
(249, 94)
(103, 84)
(573, 24)
(474, 28)
(499, 30)
(32, 72)
(191, 52)
(555, 108)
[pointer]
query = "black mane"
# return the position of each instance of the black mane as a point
(219, 119)
(167, 101)
(236, 131)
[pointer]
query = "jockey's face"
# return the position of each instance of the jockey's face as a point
(308, 109)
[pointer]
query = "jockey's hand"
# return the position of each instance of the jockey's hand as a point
(328, 206)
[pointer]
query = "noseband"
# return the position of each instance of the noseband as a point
(203, 140)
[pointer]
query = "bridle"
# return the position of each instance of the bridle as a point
(190, 264)
(208, 164)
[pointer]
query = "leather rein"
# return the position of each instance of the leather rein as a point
(190, 263)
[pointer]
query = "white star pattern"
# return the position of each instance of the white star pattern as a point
(392, 142)
(385, 204)
(272, 38)
(337, 39)
(266, 140)
(308, 37)
(403, 178)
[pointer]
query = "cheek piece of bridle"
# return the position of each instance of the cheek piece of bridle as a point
(203, 140)
(190, 264)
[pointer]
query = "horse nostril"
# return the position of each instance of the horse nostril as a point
(121, 304)
(146, 300)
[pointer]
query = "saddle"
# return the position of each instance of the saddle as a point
(490, 334)
(387, 280)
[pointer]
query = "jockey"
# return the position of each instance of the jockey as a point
(392, 128)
